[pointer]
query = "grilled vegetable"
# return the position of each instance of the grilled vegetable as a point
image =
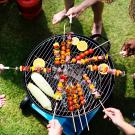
(39, 80)
(40, 96)
(39, 62)
(82, 46)
(75, 40)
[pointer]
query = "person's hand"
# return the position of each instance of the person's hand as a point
(75, 11)
(1, 67)
(128, 48)
(54, 127)
(115, 115)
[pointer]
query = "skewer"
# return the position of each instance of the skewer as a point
(86, 118)
(101, 44)
(70, 20)
(54, 110)
(80, 119)
(14, 68)
(101, 104)
(73, 121)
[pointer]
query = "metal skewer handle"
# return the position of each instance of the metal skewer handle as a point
(80, 119)
(101, 104)
(73, 121)
(86, 119)
(54, 110)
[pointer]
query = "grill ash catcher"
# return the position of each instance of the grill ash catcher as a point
(94, 72)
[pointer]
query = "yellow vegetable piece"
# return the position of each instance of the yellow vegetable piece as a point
(39, 62)
(91, 86)
(103, 68)
(82, 46)
(75, 40)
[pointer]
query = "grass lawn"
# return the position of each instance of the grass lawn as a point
(19, 36)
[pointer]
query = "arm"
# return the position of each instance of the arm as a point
(116, 116)
(76, 11)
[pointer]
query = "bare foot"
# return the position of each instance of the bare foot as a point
(58, 17)
(2, 100)
(97, 28)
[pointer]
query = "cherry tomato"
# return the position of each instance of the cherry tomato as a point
(91, 51)
(62, 57)
(95, 67)
(70, 103)
(82, 102)
(80, 93)
(86, 53)
(56, 46)
(79, 89)
(62, 52)
(63, 43)
(82, 55)
(71, 108)
(81, 98)
(57, 62)
(63, 77)
(78, 58)
(67, 50)
(73, 88)
(73, 92)
(63, 48)
(68, 90)
(69, 98)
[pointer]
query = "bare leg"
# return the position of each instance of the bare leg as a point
(2, 100)
(61, 15)
(97, 24)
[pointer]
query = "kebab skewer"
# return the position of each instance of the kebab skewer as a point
(105, 69)
(80, 60)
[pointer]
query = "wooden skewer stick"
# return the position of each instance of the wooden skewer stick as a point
(80, 119)
(73, 121)
(102, 44)
(101, 104)
(55, 110)
(86, 118)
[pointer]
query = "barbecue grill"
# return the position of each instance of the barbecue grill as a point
(103, 83)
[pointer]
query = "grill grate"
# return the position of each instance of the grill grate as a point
(104, 83)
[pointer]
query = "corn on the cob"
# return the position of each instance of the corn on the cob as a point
(40, 96)
(39, 80)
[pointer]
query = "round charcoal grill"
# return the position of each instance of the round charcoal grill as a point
(104, 83)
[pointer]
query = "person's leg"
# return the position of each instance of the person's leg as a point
(97, 20)
(61, 15)
(2, 100)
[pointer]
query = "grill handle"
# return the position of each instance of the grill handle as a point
(99, 39)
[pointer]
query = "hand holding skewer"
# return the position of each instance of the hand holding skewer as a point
(1, 68)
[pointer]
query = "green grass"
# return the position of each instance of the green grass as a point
(19, 36)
